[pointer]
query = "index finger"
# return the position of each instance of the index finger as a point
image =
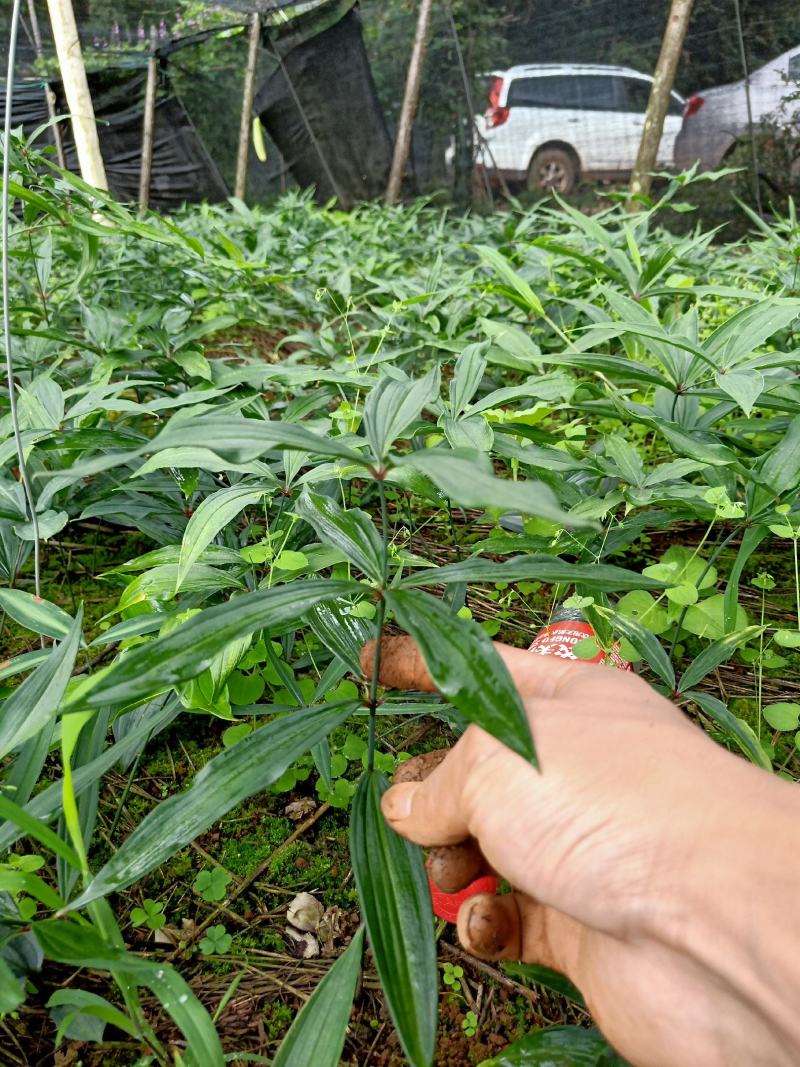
(402, 666)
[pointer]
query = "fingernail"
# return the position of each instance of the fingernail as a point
(396, 802)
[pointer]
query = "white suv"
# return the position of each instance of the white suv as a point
(549, 124)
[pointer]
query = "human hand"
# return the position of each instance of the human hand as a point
(636, 857)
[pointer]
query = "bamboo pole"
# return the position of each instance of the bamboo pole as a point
(50, 96)
(243, 153)
(657, 105)
(76, 89)
(149, 123)
(402, 144)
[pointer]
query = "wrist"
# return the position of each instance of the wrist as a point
(741, 915)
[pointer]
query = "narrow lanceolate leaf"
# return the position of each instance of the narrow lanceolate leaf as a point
(317, 1034)
(465, 668)
(737, 729)
(506, 273)
(36, 701)
(30, 826)
(34, 613)
(646, 643)
(396, 906)
(242, 440)
(716, 653)
(472, 487)
(185, 652)
(249, 766)
(81, 946)
(393, 405)
(352, 532)
(341, 633)
(600, 577)
(212, 514)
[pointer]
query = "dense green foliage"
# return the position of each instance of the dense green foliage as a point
(316, 421)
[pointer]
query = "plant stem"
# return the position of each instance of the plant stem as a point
(722, 545)
(796, 583)
(380, 619)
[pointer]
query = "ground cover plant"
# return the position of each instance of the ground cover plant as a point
(255, 440)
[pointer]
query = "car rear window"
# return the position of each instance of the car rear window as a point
(587, 92)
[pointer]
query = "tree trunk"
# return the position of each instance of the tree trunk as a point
(657, 105)
(402, 143)
(240, 183)
(76, 89)
(149, 123)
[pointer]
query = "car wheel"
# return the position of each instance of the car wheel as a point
(553, 168)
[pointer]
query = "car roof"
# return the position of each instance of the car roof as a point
(528, 69)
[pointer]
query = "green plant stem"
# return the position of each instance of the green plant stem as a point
(761, 662)
(380, 619)
(796, 583)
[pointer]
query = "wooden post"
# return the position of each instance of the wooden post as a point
(76, 89)
(402, 144)
(149, 124)
(50, 96)
(243, 153)
(657, 105)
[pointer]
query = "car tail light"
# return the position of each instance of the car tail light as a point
(496, 115)
(692, 106)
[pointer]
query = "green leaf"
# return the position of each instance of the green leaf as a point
(33, 827)
(80, 946)
(34, 613)
(396, 905)
(82, 1002)
(241, 440)
(511, 346)
(787, 638)
(317, 1034)
(780, 468)
(352, 532)
(230, 777)
(500, 265)
(190, 648)
(465, 668)
(538, 566)
(782, 716)
(558, 1046)
(467, 376)
(684, 594)
(212, 515)
(737, 729)
(341, 631)
(12, 989)
(160, 583)
(751, 539)
(646, 644)
(642, 608)
(471, 486)
(34, 703)
(743, 386)
(707, 617)
(393, 405)
(543, 976)
(715, 654)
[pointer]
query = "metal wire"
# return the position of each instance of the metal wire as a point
(5, 208)
(750, 128)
